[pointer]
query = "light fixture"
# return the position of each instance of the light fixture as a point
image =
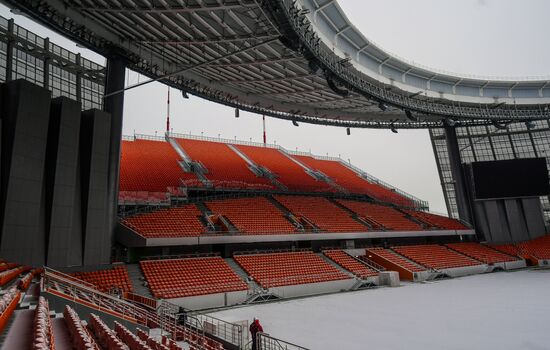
(393, 129)
(382, 106)
(410, 116)
(236, 112)
(184, 94)
(348, 131)
(295, 123)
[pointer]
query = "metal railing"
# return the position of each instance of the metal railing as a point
(267, 342)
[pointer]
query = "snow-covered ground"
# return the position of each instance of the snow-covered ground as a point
(504, 310)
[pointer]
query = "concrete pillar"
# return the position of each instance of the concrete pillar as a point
(9, 50)
(114, 105)
(455, 162)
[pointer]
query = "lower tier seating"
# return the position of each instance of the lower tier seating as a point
(350, 263)
(172, 222)
(387, 217)
(42, 326)
(255, 215)
(435, 256)
(538, 248)
(480, 252)
(394, 258)
(288, 268)
(106, 280)
(176, 278)
(322, 213)
(8, 303)
(80, 338)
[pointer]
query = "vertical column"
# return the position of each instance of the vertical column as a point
(455, 162)
(114, 105)
(46, 62)
(9, 51)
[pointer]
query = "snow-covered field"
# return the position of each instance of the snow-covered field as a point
(504, 310)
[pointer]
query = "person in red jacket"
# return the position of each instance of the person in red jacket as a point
(255, 327)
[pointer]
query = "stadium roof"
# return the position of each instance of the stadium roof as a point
(299, 60)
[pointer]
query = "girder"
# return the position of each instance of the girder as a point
(263, 57)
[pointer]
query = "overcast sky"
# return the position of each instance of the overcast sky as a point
(482, 37)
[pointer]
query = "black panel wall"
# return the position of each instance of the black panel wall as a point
(25, 115)
(63, 225)
(94, 155)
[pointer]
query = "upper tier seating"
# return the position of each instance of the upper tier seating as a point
(481, 252)
(395, 259)
(8, 275)
(351, 181)
(177, 278)
(288, 268)
(388, 217)
(290, 174)
(105, 280)
(350, 263)
(435, 256)
(322, 213)
(437, 221)
(171, 222)
(151, 166)
(226, 169)
(252, 215)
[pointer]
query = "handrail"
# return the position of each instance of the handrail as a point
(267, 342)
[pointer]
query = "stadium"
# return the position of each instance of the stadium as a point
(173, 240)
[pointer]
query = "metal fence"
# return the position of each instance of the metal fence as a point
(267, 342)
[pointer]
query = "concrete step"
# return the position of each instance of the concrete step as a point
(137, 279)
(242, 274)
(331, 262)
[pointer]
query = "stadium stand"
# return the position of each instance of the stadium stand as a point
(533, 250)
(151, 166)
(351, 181)
(80, 337)
(480, 252)
(255, 215)
(289, 173)
(510, 249)
(103, 335)
(436, 221)
(180, 221)
(105, 280)
(42, 326)
(8, 304)
(393, 261)
(435, 256)
(176, 278)
(350, 263)
(381, 216)
(288, 268)
(226, 169)
(8, 275)
(322, 213)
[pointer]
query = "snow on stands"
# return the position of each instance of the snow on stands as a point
(504, 311)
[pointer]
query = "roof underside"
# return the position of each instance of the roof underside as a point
(279, 59)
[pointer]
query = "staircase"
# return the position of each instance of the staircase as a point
(252, 285)
(287, 214)
(331, 262)
(362, 220)
(137, 279)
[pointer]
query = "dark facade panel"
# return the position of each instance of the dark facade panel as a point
(26, 111)
(94, 155)
(63, 224)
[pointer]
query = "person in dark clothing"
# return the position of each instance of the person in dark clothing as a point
(255, 327)
(182, 316)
